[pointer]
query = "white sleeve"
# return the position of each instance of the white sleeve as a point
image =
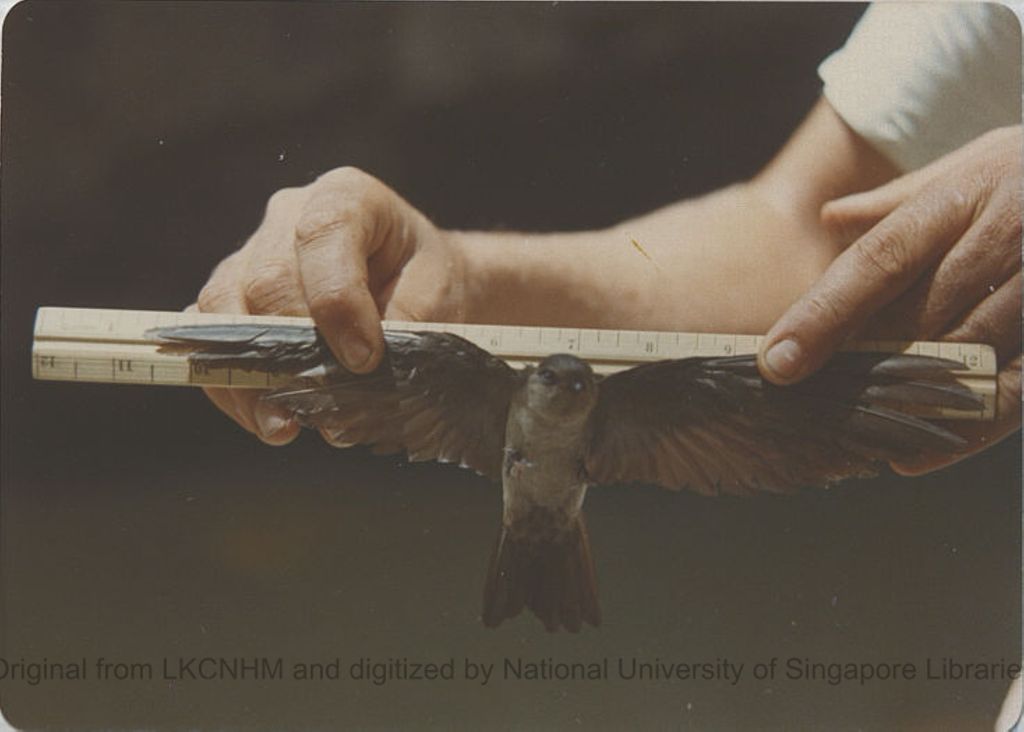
(918, 80)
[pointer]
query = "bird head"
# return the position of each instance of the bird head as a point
(562, 387)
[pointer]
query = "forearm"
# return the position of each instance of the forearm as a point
(733, 260)
(726, 261)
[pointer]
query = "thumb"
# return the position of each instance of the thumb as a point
(872, 272)
(797, 345)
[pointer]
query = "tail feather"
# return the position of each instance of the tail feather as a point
(553, 577)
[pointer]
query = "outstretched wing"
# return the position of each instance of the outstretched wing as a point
(435, 396)
(714, 426)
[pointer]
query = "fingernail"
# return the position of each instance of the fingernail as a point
(784, 359)
(269, 421)
(355, 353)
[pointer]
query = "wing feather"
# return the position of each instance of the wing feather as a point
(712, 425)
(436, 396)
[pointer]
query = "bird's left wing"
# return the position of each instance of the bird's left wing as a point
(435, 396)
(712, 425)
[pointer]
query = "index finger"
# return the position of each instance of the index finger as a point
(334, 238)
(871, 273)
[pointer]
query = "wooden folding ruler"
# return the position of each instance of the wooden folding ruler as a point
(100, 345)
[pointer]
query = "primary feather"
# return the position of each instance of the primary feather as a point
(714, 426)
(435, 396)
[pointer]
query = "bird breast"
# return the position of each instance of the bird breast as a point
(543, 464)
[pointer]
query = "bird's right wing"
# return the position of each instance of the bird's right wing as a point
(435, 396)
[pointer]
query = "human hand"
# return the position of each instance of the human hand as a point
(345, 250)
(935, 254)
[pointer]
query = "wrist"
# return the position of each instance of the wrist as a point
(579, 279)
(501, 283)
(476, 274)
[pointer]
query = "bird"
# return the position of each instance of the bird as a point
(549, 432)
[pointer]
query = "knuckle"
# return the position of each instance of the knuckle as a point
(230, 264)
(283, 200)
(213, 296)
(1005, 228)
(824, 308)
(885, 256)
(205, 299)
(843, 226)
(346, 176)
(331, 303)
(220, 291)
(271, 288)
(322, 217)
(343, 198)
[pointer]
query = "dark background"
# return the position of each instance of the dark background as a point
(140, 143)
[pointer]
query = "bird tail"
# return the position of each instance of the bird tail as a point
(552, 576)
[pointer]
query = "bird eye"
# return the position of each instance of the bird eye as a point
(547, 376)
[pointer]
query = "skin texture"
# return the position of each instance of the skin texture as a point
(347, 250)
(933, 255)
